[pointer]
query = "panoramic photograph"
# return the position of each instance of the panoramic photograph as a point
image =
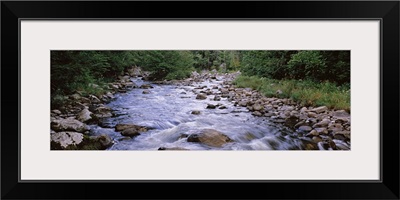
(199, 100)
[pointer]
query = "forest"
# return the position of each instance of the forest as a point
(310, 77)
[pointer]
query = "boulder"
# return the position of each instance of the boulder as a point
(222, 107)
(146, 92)
(323, 123)
(258, 107)
(195, 112)
(201, 96)
(243, 103)
(210, 137)
(217, 98)
(130, 130)
(146, 86)
(68, 124)
(305, 128)
(65, 140)
(94, 99)
(211, 106)
(320, 109)
(56, 112)
(257, 113)
(122, 127)
(341, 114)
(84, 115)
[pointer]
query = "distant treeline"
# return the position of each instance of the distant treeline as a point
(72, 70)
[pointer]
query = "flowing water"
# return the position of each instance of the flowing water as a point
(167, 110)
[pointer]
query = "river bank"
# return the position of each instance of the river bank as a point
(312, 128)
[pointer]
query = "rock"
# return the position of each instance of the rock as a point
(258, 107)
(321, 131)
(211, 106)
(222, 107)
(268, 114)
(122, 127)
(312, 133)
(279, 92)
(217, 98)
(201, 96)
(84, 115)
(291, 121)
(146, 92)
(320, 109)
(344, 133)
(100, 142)
(256, 113)
(195, 112)
(94, 99)
(243, 103)
(130, 132)
(305, 128)
(56, 112)
(85, 100)
(65, 140)
(303, 109)
(75, 97)
(312, 114)
(317, 139)
(210, 137)
(146, 86)
(341, 114)
(323, 123)
(173, 148)
(68, 124)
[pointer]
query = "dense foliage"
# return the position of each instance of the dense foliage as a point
(332, 66)
(73, 71)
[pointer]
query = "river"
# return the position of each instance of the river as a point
(167, 110)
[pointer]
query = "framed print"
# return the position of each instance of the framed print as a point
(296, 95)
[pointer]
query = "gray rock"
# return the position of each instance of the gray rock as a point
(146, 86)
(312, 114)
(211, 106)
(66, 139)
(122, 127)
(243, 103)
(312, 133)
(258, 107)
(323, 123)
(341, 113)
(94, 99)
(257, 113)
(217, 98)
(84, 115)
(305, 128)
(195, 112)
(131, 132)
(222, 107)
(201, 96)
(210, 137)
(75, 97)
(146, 92)
(56, 112)
(68, 124)
(320, 109)
(321, 131)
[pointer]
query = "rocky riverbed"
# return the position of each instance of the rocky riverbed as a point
(211, 114)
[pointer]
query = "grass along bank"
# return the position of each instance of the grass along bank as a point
(307, 93)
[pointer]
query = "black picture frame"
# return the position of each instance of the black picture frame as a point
(386, 11)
